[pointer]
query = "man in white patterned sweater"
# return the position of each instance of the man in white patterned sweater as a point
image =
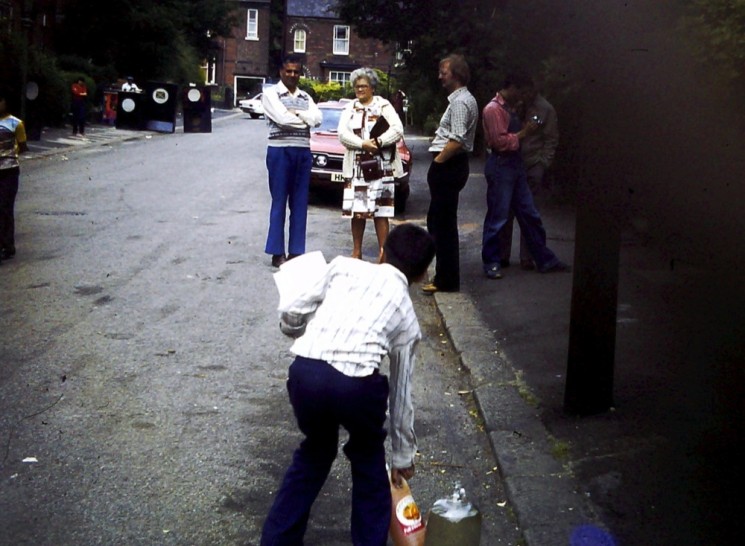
(345, 324)
(290, 113)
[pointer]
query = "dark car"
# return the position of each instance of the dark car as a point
(328, 154)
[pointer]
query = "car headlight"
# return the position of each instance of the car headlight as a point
(321, 160)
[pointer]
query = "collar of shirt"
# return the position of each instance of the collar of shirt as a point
(455, 94)
(281, 89)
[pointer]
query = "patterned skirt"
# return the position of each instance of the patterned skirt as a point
(371, 198)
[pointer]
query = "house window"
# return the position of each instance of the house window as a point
(299, 41)
(252, 25)
(339, 77)
(341, 40)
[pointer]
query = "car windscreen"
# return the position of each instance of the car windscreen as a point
(330, 120)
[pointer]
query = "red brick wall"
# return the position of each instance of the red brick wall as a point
(242, 57)
(320, 46)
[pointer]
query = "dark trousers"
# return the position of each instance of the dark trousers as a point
(78, 117)
(324, 399)
(8, 192)
(445, 181)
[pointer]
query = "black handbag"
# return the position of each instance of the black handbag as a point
(370, 167)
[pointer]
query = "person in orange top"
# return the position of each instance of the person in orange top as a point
(12, 143)
(79, 98)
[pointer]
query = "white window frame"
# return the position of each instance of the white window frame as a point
(297, 41)
(341, 45)
(252, 24)
(340, 77)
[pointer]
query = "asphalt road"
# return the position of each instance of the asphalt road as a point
(142, 396)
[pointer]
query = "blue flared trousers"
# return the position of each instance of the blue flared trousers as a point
(289, 182)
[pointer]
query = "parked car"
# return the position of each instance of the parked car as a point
(328, 154)
(252, 106)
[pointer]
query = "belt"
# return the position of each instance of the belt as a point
(505, 153)
(457, 154)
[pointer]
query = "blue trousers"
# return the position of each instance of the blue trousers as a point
(289, 181)
(507, 188)
(324, 399)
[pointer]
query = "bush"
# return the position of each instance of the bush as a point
(323, 91)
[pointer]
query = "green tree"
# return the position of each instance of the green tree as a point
(717, 30)
(163, 40)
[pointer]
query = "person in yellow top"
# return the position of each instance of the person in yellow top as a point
(12, 143)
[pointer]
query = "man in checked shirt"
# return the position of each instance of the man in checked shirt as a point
(449, 170)
(345, 324)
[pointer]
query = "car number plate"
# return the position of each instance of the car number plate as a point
(337, 177)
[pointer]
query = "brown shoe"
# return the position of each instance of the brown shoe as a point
(527, 265)
(429, 288)
(278, 259)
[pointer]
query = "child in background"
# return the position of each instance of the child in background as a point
(12, 143)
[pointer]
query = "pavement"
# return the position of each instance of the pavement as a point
(657, 468)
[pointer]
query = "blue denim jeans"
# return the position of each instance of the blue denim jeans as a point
(507, 188)
(289, 182)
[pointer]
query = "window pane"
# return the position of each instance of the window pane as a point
(299, 41)
(341, 40)
(340, 77)
(252, 26)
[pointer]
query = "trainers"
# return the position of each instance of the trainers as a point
(493, 272)
(558, 267)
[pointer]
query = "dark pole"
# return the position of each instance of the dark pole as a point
(592, 327)
(26, 22)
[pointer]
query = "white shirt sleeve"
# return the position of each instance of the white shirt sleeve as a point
(313, 116)
(278, 113)
(403, 438)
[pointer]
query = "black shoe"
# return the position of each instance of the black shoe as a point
(278, 259)
(7, 253)
(291, 256)
(559, 267)
(504, 263)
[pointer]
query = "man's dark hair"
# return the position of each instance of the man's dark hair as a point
(458, 67)
(293, 58)
(409, 249)
(519, 79)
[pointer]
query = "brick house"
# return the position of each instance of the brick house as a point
(331, 48)
(241, 60)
